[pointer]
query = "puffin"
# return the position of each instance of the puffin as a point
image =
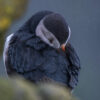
(40, 51)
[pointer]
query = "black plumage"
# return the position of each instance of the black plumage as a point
(30, 57)
(57, 25)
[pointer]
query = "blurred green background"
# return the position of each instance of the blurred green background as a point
(10, 10)
(83, 17)
(22, 90)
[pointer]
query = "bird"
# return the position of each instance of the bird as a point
(40, 51)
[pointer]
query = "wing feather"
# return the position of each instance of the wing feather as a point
(22, 55)
(74, 65)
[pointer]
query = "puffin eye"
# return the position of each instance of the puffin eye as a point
(51, 40)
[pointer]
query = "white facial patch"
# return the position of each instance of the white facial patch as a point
(6, 47)
(68, 36)
(47, 36)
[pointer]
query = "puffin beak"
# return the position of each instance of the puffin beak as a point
(63, 47)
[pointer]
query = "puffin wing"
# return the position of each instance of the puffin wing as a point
(74, 65)
(20, 55)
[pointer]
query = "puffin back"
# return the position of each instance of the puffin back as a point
(74, 65)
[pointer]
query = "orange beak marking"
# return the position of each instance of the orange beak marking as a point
(63, 47)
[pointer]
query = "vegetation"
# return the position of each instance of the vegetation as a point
(19, 89)
(10, 10)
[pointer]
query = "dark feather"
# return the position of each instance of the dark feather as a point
(74, 65)
(35, 64)
(30, 57)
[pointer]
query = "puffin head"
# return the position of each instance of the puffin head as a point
(54, 31)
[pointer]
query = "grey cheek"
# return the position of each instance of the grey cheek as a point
(47, 36)
(55, 43)
(52, 40)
